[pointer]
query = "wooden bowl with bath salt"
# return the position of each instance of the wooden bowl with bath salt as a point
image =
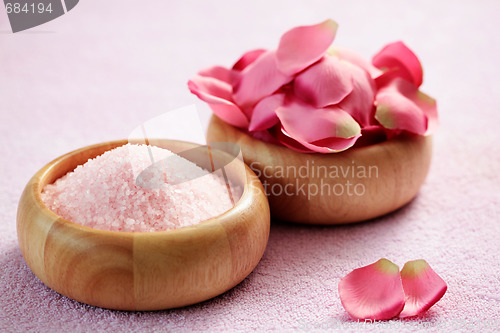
(141, 270)
(351, 186)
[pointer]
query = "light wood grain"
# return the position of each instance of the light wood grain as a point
(402, 165)
(143, 271)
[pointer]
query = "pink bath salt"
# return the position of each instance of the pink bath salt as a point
(104, 192)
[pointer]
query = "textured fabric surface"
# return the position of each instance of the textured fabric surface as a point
(99, 71)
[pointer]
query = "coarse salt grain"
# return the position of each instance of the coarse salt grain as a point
(103, 192)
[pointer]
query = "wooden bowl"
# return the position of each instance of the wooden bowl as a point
(142, 271)
(355, 185)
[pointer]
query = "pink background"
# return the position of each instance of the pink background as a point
(99, 71)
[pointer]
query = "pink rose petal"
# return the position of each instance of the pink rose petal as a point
(307, 123)
(248, 58)
(331, 145)
(218, 96)
(258, 80)
(324, 146)
(360, 102)
(325, 83)
(220, 73)
(355, 59)
(397, 60)
(311, 126)
(264, 114)
(373, 291)
(422, 287)
(400, 105)
(287, 141)
(302, 46)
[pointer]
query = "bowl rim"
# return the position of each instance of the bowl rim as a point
(46, 169)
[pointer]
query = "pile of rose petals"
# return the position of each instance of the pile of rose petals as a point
(380, 291)
(312, 97)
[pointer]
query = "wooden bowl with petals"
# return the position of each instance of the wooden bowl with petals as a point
(142, 271)
(351, 186)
